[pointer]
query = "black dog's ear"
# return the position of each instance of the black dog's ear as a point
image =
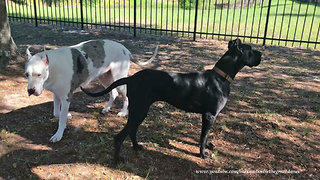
(234, 45)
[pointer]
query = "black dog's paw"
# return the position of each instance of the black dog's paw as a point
(138, 147)
(117, 161)
(210, 146)
(205, 155)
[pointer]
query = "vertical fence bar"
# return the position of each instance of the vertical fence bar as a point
(10, 10)
(310, 32)
(161, 17)
(105, 13)
(35, 13)
(266, 27)
(129, 17)
(286, 41)
(304, 23)
(119, 24)
(239, 27)
(202, 19)
(254, 13)
(135, 18)
(52, 13)
(156, 25)
(46, 13)
(124, 14)
(283, 15)
(195, 20)
(172, 17)
(81, 13)
(140, 15)
(221, 10)
(226, 28)
(151, 20)
(245, 25)
(145, 20)
(110, 14)
(60, 16)
(167, 16)
(297, 22)
(23, 16)
(189, 22)
(275, 22)
(234, 13)
(178, 16)
(208, 18)
(261, 9)
(114, 14)
(315, 44)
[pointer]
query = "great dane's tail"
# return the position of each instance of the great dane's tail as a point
(145, 62)
(115, 84)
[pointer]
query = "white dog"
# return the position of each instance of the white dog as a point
(62, 71)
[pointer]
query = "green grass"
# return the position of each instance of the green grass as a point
(302, 24)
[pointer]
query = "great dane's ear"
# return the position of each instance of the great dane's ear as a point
(28, 53)
(45, 59)
(234, 45)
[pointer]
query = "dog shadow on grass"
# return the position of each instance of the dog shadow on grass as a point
(25, 151)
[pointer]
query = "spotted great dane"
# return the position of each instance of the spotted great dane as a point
(199, 92)
(63, 70)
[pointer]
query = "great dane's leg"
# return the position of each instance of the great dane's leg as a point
(62, 120)
(118, 140)
(120, 70)
(56, 106)
(207, 121)
(123, 91)
(113, 95)
(136, 115)
(106, 79)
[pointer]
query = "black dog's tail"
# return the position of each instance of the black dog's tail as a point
(115, 84)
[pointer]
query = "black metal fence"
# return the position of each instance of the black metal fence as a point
(276, 22)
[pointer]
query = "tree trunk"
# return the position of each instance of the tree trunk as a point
(7, 46)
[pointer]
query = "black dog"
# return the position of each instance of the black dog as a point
(200, 92)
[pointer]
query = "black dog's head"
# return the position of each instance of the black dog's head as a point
(244, 52)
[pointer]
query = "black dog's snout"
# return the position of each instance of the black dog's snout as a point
(31, 91)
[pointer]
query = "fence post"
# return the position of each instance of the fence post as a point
(135, 18)
(81, 13)
(195, 21)
(35, 13)
(266, 28)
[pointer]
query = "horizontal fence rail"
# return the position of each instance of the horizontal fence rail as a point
(268, 22)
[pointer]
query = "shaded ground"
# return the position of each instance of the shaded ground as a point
(270, 123)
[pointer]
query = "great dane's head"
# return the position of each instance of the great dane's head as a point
(37, 72)
(238, 56)
(244, 53)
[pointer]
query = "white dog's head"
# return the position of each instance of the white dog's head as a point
(37, 72)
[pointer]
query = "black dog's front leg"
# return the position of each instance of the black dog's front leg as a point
(207, 121)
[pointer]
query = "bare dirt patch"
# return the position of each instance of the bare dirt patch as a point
(270, 123)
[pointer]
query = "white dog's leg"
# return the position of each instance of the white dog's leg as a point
(113, 95)
(62, 121)
(120, 70)
(124, 111)
(57, 107)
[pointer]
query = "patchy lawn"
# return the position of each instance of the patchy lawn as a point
(270, 123)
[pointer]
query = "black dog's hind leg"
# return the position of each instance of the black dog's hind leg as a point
(207, 121)
(118, 140)
(137, 115)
